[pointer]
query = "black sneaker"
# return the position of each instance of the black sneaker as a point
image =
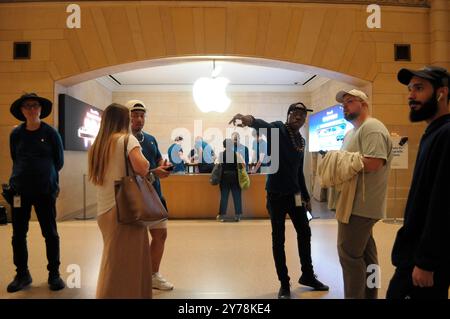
(284, 292)
(19, 282)
(220, 218)
(237, 218)
(313, 282)
(55, 283)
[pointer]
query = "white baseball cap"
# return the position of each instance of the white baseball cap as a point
(136, 105)
(354, 92)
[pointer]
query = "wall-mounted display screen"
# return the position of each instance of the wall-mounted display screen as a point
(327, 129)
(79, 123)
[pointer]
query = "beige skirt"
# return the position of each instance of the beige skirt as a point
(125, 270)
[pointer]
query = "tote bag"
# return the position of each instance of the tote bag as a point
(137, 202)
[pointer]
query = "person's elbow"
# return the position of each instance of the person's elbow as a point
(373, 164)
(141, 167)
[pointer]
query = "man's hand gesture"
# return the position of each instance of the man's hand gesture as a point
(244, 120)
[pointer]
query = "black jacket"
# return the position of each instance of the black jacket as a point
(424, 239)
(289, 178)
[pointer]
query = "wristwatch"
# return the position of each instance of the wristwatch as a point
(151, 177)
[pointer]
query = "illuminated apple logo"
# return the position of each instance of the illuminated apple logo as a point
(210, 94)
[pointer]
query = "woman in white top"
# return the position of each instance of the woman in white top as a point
(125, 270)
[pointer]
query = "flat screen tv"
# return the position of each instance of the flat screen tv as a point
(327, 129)
(79, 123)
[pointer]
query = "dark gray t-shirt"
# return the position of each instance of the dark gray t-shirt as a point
(371, 139)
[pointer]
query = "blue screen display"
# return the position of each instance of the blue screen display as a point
(327, 129)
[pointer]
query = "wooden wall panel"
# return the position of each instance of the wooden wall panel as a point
(183, 27)
(62, 57)
(337, 44)
(278, 29)
(151, 24)
(245, 32)
(263, 27)
(326, 34)
(119, 33)
(309, 35)
(214, 30)
(293, 36)
(90, 41)
(136, 32)
(104, 35)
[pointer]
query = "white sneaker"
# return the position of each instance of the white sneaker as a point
(159, 282)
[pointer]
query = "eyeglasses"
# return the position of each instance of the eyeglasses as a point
(29, 106)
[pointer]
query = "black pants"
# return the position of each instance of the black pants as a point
(278, 205)
(44, 205)
(401, 286)
(163, 201)
(205, 167)
(230, 182)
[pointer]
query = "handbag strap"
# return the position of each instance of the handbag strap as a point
(127, 160)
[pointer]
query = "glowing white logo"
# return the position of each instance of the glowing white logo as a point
(210, 94)
(91, 124)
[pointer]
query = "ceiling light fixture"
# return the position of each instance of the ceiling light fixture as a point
(210, 92)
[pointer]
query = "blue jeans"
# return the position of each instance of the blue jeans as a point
(229, 183)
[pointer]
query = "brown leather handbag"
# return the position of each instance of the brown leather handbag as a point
(137, 202)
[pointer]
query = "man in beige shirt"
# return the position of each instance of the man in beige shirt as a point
(356, 246)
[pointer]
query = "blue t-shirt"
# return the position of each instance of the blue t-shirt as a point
(243, 151)
(151, 152)
(208, 152)
(261, 147)
(174, 157)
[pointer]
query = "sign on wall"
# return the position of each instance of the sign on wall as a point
(400, 152)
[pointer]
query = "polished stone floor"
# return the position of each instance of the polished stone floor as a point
(203, 258)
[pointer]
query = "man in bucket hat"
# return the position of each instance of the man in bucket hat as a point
(37, 155)
(421, 252)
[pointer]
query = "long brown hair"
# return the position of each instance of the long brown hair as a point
(115, 122)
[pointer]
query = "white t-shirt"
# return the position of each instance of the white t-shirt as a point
(114, 172)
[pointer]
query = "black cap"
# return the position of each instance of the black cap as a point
(298, 106)
(434, 74)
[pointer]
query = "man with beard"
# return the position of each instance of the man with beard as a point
(287, 193)
(421, 250)
(356, 245)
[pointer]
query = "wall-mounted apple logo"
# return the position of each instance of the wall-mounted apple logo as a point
(210, 94)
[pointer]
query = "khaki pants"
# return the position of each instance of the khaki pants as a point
(357, 250)
(126, 269)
